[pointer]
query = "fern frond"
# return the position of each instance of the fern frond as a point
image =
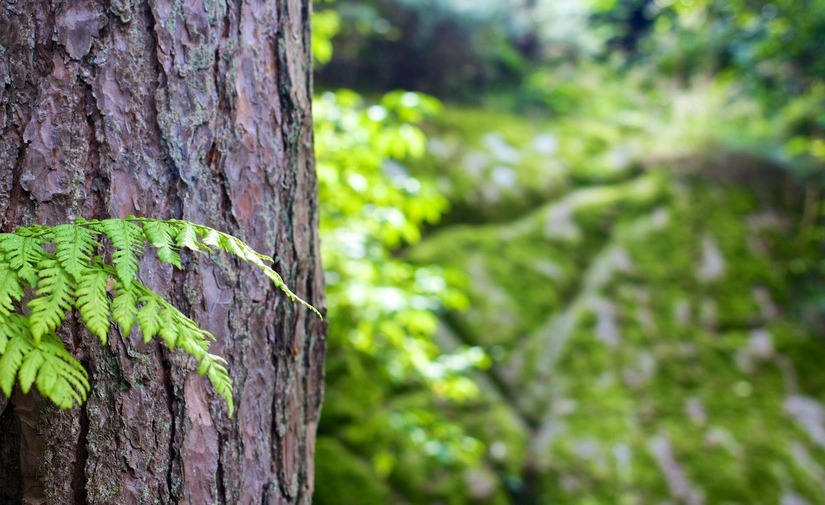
(93, 302)
(61, 378)
(10, 290)
(188, 237)
(218, 375)
(54, 297)
(128, 240)
(191, 341)
(179, 331)
(244, 251)
(58, 376)
(28, 368)
(124, 308)
(10, 361)
(149, 319)
(201, 238)
(23, 254)
(30, 351)
(162, 236)
(74, 246)
(12, 325)
(168, 328)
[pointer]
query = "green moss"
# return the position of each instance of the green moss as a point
(341, 477)
(625, 304)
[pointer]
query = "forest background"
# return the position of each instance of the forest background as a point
(573, 250)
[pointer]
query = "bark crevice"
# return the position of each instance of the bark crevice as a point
(81, 455)
(169, 388)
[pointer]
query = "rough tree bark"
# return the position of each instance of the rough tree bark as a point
(194, 109)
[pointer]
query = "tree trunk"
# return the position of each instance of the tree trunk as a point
(193, 109)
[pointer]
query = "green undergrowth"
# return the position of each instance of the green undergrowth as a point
(639, 322)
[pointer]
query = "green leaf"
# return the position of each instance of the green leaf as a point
(149, 320)
(23, 254)
(124, 308)
(10, 290)
(54, 298)
(93, 302)
(162, 236)
(219, 377)
(61, 378)
(28, 370)
(12, 325)
(193, 341)
(212, 238)
(74, 248)
(128, 240)
(17, 347)
(168, 328)
(30, 351)
(188, 237)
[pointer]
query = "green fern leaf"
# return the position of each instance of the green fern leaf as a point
(23, 254)
(188, 237)
(162, 236)
(234, 246)
(28, 369)
(192, 341)
(93, 302)
(10, 290)
(128, 240)
(12, 325)
(279, 283)
(238, 248)
(124, 308)
(168, 328)
(149, 320)
(54, 298)
(30, 351)
(211, 237)
(219, 377)
(61, 378)
(74, 248)
(10, 361)
(58, 376)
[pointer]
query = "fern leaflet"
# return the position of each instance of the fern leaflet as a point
(74, 248)
(188, 237)
(58, 376)
(11, 360)
(127, 238)
(93, 302)
(162, 236)
(54, 298)
(149, 319)
(124, 308)
(10, 290)
(22, 254)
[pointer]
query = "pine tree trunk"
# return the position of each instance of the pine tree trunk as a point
(192, 109)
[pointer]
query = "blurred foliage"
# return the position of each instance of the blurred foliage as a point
(769, 50)
(446, 48)
(531, 196)
(385, 372)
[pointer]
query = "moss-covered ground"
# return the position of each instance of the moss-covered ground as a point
(647, 341)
